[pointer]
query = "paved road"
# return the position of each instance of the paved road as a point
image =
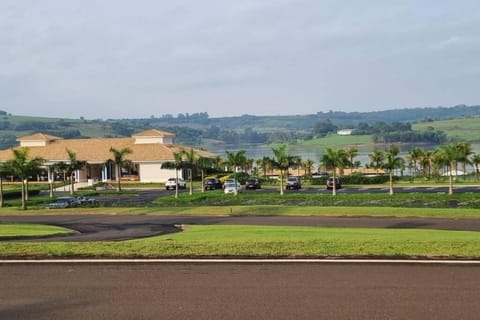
(122, 227)
(238, 291)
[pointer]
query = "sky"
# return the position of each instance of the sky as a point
(102, 59)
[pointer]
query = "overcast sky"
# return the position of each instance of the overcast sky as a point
(133, 59)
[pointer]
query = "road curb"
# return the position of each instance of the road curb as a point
(239, 261)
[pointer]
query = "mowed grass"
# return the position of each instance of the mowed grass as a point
(8, 230)
(268, 242)
(464, 129)
(335, 140)
(263, 210)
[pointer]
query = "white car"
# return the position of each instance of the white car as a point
(171, 184)
(231, 186)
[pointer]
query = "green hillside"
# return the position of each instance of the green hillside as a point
(463, 129)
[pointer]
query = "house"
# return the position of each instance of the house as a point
(345, 132)
(150, 149)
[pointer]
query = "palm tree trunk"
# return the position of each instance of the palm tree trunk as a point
(176, 180)
(1, 192)
(450, 180)
(72, 184)
(281, 182)
(391, 182)
(190, 180)
(24, 200)
(119, 181)
(26, 189)
(334, 185)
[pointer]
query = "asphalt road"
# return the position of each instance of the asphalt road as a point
(239, 291)
(123, 227)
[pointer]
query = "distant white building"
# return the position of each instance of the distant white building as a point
(345, 132)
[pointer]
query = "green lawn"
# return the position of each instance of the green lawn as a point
(26, 230)
(464, 129)
(337, 141)
(261, 241)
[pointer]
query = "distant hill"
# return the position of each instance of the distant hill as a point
(193, 129)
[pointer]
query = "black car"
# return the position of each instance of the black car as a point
(329, 183)
(212, 184)
(252, 183)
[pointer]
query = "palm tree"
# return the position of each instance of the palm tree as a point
(23, 167)
(265, 164)
(351, 153)
(476, 164)
(297, 164)
(176, 164)
(73, 165)
(307, 166)
(392, 162)
(190, 159)
(447, 155)
(119, 160)
(3, 172)
(203, 163)
(464, 150)
(414, 156)
(282, 161)
(334, 159)
(235, 160)
(376, 159)
(426, 163)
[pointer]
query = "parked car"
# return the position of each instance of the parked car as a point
(293, 183)
(329, 183)
(231, 180)
(172, 184)
(212, 184)
(86, 201)
(252, 183)
(231, 186)
(64, 202)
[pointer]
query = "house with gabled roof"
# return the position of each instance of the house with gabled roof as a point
(150, 149)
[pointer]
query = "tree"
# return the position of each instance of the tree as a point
(376, 159)
(190, 159)
(334, 159)
(447, 156)
(307, 166)
(464, 150)
(414, 156)
(176, 164)
(3, 172)
(119, 160)
(392, 162)
(476, 164)
(235, 160)
(351, 153)
(73, 165)
(203, 163)
(23, 167)
(282, 161)
(265, 163)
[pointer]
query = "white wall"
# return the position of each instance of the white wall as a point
(152, 172)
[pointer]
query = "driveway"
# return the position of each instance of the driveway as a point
(124, 227)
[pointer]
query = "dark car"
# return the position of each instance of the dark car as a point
(294, 183)
(64, 202)
(212, 184)
(329, 183)
(252, 183)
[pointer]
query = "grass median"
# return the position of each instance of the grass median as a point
(267, 242)
(12, 230)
